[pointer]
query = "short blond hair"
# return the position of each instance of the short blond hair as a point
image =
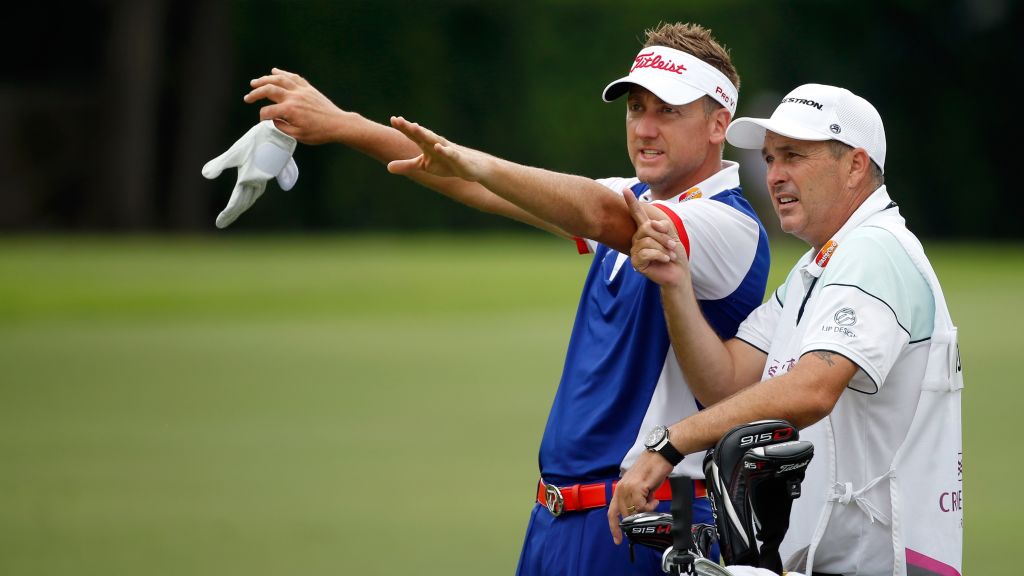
(696, 40)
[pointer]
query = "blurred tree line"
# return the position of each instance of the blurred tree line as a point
(108, 109)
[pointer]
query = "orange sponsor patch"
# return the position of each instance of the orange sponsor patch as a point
(825, 253)
(690, 194)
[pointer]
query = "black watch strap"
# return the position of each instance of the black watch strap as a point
(669, 452)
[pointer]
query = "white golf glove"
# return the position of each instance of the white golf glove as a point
(264, 152)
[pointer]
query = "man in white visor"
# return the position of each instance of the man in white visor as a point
(857, 347)
(621, 381)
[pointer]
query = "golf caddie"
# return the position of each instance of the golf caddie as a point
(856, 348)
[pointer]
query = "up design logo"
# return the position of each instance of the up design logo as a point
(845, 317)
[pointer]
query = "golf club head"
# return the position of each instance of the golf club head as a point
(650, 529)
(704, 538)
(654, 530)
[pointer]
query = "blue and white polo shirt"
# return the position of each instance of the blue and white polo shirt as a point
(621, 377)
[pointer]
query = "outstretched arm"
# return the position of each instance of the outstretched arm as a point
(304, 113)
(575, 204)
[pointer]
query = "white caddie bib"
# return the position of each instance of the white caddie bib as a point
(925, 475)
(926, 481)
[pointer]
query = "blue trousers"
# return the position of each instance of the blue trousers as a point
(580, 544)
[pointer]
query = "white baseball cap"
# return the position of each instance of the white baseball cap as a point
(817, 112)
(676, 77)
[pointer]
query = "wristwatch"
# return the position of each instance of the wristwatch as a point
(658, 441)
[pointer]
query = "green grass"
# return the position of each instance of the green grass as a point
(317, 405)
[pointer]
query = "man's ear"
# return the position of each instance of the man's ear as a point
(860, 167)
(719, 122)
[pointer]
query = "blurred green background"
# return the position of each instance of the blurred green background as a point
(354, 377)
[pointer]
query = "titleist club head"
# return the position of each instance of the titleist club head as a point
(787, 461)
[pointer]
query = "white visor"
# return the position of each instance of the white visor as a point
(676, 77)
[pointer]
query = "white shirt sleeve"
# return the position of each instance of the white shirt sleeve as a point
(618, 184)
(866, 307)
(859, 326)
(722, 245)
(758, 328)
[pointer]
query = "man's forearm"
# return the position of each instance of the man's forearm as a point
(578, 205)
(802, 396)
(378, 141)
(705, 360)
(384, 144)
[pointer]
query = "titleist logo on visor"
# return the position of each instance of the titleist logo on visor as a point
(652, 60)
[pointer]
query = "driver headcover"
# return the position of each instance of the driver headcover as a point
(773, 475)
(728, 487)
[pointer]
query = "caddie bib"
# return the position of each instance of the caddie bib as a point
(924, 477)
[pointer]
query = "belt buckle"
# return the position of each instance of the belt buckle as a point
(553, 499)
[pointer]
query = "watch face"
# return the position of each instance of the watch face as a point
(654, 437)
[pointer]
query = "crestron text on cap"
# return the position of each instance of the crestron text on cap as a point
(802, 101)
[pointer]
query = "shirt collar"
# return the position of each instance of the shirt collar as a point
(878, 200)
(727, 178)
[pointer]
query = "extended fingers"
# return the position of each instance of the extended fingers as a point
(425, 162)
(293, 77)
(281, 80)
(416, 133)
(272, 92)
(276, 111)
(404, 126)
(280, 77)
(405, 166)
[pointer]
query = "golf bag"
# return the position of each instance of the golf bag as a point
(753, 474)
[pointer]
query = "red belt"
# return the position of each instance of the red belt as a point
(585, 496)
